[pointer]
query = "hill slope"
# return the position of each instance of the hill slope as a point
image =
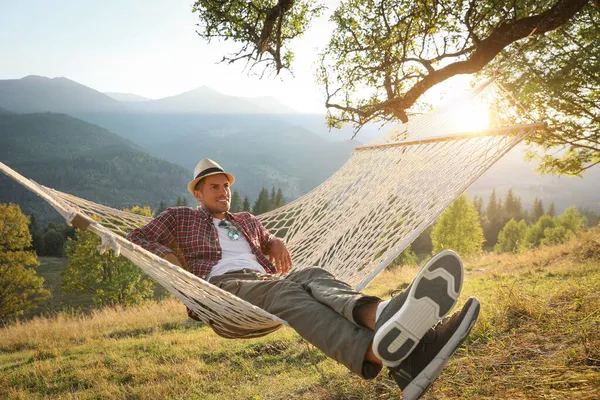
(537, 337)
(83, 159)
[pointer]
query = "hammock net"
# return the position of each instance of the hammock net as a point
(355, 223)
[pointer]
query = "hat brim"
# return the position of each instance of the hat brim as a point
(193, 183)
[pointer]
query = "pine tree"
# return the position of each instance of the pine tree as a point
(261, 205)
(161, 207)
(20, 287)
(236, 202)
(478, 204)
(279, 199)
(246, 204)
(536, 211)
(512, 207)
(458, 228)
(493, 222)
(272, 199)
(552, 210)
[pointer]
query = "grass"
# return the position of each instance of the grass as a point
(538, 337)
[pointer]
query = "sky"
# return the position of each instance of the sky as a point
(148, 48)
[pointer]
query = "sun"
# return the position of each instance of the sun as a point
(471, 116)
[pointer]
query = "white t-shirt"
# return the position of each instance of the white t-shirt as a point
(236, 254)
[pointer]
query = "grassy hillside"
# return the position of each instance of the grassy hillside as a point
(538, 337)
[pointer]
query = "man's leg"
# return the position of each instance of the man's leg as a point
(344, 299)
(316, 322)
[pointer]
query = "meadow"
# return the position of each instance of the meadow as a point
(538, 337)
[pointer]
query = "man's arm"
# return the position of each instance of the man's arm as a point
(275, 248)
(157, 235)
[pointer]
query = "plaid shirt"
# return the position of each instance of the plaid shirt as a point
(191, 234)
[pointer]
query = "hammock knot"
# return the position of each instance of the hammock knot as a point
(108, 242)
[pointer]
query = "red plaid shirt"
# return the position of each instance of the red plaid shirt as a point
(197, 239)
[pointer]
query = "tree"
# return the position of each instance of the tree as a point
(384, 55)
(572, 220)
(552, 210)
(478, 204)
(54, 243)
(494, 220)
(20, 288)
(458, 228)
(161, 207)
(111, 280)
(263, 28)
(511, 237)
(537, 210)
(236, 202)
(261, 205)
(512, 207)
(246, 204)
(537, 232)
(279, 199)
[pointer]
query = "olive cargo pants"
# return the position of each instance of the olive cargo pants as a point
(316, 305)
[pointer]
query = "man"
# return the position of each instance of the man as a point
(236, 253)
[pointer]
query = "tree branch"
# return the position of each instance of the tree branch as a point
(488, 48)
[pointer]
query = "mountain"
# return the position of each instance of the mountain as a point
(261, 150)
(270, 104)
(61, 95)
(204, 100)
(126, 97)
(40, 94)
(85, 160)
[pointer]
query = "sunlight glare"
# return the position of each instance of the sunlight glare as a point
(471, 116)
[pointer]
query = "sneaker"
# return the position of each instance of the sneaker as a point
(407, 317)
(415, 374)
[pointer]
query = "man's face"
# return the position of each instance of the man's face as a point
(214, 195)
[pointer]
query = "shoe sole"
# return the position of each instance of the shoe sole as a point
(418, 386)
(432, 295)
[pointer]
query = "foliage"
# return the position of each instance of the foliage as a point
(268, 201)
(264, 28)
(145, 211)
(494, 219)
(556, 235)
(246, 204)
(458, 228)
(536, 232)
(537, 210)
(50, 241)
(573, 220)
(510, 239)
(558, 81)
(407, 257)
(384, 55)
(236, 202)
(20, 287)
(111, 280)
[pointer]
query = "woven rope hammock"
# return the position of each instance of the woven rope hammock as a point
(355, 223)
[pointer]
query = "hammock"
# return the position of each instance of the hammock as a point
(354, 224)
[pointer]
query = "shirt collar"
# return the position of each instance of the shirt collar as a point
(208, 216)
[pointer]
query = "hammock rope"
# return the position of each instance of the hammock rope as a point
(353, 225)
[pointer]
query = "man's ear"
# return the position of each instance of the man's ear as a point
(198, 195)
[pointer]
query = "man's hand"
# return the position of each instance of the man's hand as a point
(280, 256)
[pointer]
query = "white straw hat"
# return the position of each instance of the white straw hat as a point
(207, 167)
